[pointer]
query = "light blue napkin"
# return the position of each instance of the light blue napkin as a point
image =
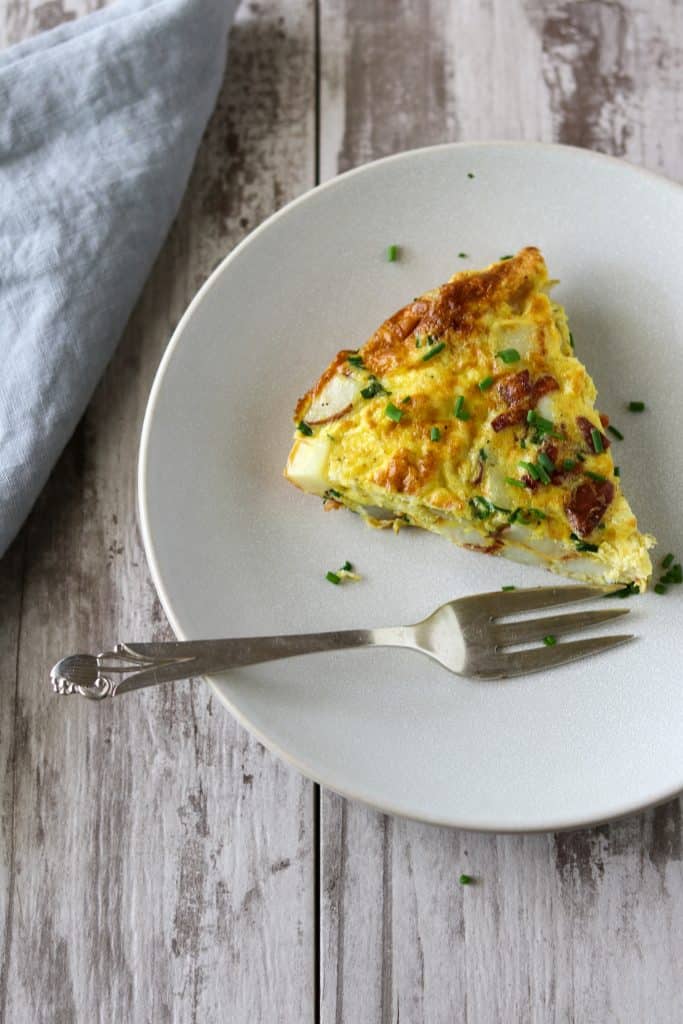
(100, 120)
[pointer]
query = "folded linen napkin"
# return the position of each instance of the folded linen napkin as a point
(101, 119)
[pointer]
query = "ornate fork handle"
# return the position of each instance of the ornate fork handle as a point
(132, 666)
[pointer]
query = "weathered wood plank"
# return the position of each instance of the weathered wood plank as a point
(159, 863)
(558, 928)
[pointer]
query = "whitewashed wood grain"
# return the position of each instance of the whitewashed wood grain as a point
(586, 927)
(156, 863)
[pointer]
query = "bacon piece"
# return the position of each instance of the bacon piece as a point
(513, 388)
(587, 428)
(604, 419)
(480, 472)
(543, 386)
(588, 504)
(508, 419)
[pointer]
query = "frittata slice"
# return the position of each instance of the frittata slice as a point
(467, 413)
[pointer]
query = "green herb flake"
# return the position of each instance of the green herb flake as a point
(485, 384)
(666, 561)
(514, 483)
(463, 255)
(459, 410)
(374, 388)
(406, 401)
(435, 434)
(571, 340)
(636, 406)
(617, 472)
(434, 351)
(627, 591)
(304, 428)
(550, 640)
(569, 464)
(595, 476)
(355, 360)
(393, 413)
(616, 433)
(470, 174)
(465, 879)
(659, 588)
(346, 567)
(509, 355)
(392, 253)
(482, 454)
(332, 577)
(596, 438)
(501, 258)
(546, 462)
(510, 586)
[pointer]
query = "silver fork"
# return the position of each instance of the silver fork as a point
(464, 636)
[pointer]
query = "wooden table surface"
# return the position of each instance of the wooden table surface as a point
(156, 863)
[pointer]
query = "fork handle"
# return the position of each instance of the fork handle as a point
(133, 666)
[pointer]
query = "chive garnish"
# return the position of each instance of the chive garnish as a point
(465, 879)
(509, 587)
(418, 341)
(569, 464)
(482, 508)
(571, 339)
(346, 567)
(406, 400)
(373, 388)
(617, 471)
(660, 588)
(514, 483)
(595, 476)
(434, 351)
(304, 428)
(666, 562)
(509, 355)
(542, 425)
(432, 339)
(485, 384)
(550, 640)
(470, 174)
(531, 470)
(392, 253)
(617, 433)
(546, 462)
(435, 434)
(393, 413)
(462, 255)
(636, 406)
(333, 577)
(459, 411)
(596, 438)
(501, 258)
(355, 360)
(627, 591)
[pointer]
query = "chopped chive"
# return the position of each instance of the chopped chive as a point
(304, 428)
(617, 433)
(636, 406)
(470, 174)
(435, 434)
(569, 464)
(406, 400)
(346, 567)
(482, 454)
(331, 493)
(596, 438)
(418, 341)
(373, 388)
(546, 462)
(501, 258)
(522, 443)
(485, 384)
(617, 471)
(571, 339)
(434, 351)
(459, 410)
(333, 577)
(465, 879)
(432, 339)
(544, 475)
(462, 255)
(666, 562)
(509, 355)
(595, 476)
(510, 586)
(392, 253)
(531, 470)
(514, 483)
(550, 640)
(626, 591)
(542, 425)
(355, 360)
(393, 413)
(660, 588)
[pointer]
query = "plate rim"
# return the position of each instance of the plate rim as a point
(560, 824)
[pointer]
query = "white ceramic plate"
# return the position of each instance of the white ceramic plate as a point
(235, 550)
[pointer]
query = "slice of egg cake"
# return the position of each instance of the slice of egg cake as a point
(467, 413)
